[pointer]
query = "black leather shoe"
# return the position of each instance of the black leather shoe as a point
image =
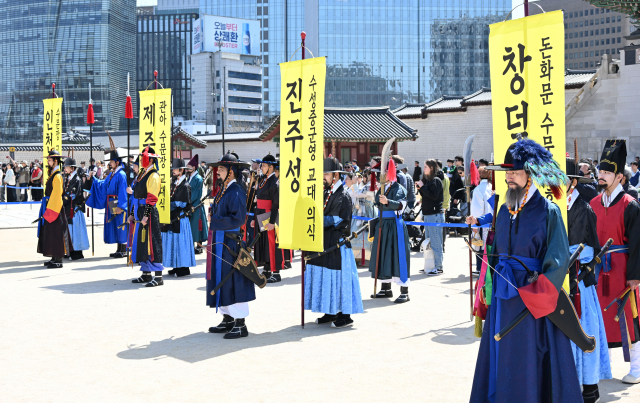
(383, 294)
(225, 326)
(48, 262)
(54, 265)
(340, 323)
(239, 330)
(156, 281)
(182, 272)
(326, 319)
(172, 272)
(275, 278)
(145, 278)
(402, 299)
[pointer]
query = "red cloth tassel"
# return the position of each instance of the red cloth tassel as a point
(391, 171)
(128, 110)
(475, 175)
(605, 284)
(90, 117)
(576, 304)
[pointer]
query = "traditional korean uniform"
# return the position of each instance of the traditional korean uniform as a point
(534, 363)
(267, 201)
(364, 207)
(198, 218)
(177, 241)
(146, 239)
(53, 230)
(74, 207)
(331, 283)
(114, 187)
(618, 218)
(394, 245)
(581, 223)
(228, 213)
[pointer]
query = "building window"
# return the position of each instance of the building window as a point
(218, 122)
(591, 34)
(245, 100)
(608, 20)
(591, 54)
(581, 64)
(570, 35)
(218, 111)
(581, 55)
(571, 46)
(618, 29)
(591, 64)
(591, 13)
(608, 30)
(597, 53)
(602, 20)
(591, 43)
(580, 43)
(581, 23)
(591, 22)
(607, 51)
(607, 41)
(581, 33)
(244, 76)
(217, 73)
(217, 86)
(618, 39)
(247, 88)
(570, 55)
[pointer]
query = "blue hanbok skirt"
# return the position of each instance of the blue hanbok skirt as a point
(594, 366)
(78, 232)
(177, 249)
(332, 291)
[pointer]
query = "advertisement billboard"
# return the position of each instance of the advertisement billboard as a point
(233, 35)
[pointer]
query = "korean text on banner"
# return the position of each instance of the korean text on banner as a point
(155, 131)
(51, 130)
(527, 81)
(301, 154)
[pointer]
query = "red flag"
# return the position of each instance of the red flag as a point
(128, 112)
(90, 118)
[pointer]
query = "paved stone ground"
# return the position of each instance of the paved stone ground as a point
(84, 333)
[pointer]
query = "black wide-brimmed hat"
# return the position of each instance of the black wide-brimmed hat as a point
(70, 162)
(230, 160)
(614, 156)
(55, 154)
(178, 163)
(574, 173)
(268, 159)
(332, 165)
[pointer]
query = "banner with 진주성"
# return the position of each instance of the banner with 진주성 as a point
(526, 57)
(301, 154)
(155, 131)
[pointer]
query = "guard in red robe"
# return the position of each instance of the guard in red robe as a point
(618, 218)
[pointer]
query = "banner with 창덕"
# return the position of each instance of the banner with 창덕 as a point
(301, 154)
(155, 131)
(51, 131)
(526, 56)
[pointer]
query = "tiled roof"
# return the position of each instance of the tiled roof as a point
(409, 111)
(65, 148)
(374, 124)
(178, 133)
(482, 97)
(577, 78)
(445, 104)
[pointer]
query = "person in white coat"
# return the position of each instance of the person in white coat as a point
(481, 205)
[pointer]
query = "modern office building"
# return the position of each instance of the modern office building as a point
(230, 81)
(459, 56)
(164, 44)
(73, 44)
(590, 32)
(378, 52)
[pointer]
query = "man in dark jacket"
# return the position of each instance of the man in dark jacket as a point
(430, 188)
(417, 172)
(627, 186)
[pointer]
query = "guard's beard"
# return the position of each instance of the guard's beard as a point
(602, 188)
(514, 196)
(327, 185)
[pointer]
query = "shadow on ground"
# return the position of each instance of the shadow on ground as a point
(610, 386)
(203, 346)
(458, 334)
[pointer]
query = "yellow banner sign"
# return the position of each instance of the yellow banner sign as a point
(527, 86)
(155, 131)
(51, 131)
(301, 154)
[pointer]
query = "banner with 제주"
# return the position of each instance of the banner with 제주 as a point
(51, 131)
(526, 56)
(155, 131)
(301, 154)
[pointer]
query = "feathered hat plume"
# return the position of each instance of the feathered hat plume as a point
(539, 163)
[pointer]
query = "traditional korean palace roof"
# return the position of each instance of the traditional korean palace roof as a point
(373, 124)
(33, 147)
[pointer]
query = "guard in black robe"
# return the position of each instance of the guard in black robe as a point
(267, 201)
(53, 230)
(74, 208)
(147, 240)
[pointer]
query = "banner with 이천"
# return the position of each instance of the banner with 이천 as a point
(51, 131)
(301, 154)
(526, 56)
(155, 131)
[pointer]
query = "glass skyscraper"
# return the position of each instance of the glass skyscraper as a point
(378, 52)
(72, 43)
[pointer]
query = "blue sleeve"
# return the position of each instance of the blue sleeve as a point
(485, 219)
(235, 213)
(196, 189)
(332, 221)
(554, 265)
(122, 189)
(98, 197)
(178, 204)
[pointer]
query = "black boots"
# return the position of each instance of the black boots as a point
(404, 295)
(54, 263)
(198, 249)
(182, 271)
(156, 280)
(239, 330)
(385, 291)
(225, 326)
(76, 255)
(272, 277)
(145, 278)
(590, 393)
(326, 319)
(342, 321)
(120, 252)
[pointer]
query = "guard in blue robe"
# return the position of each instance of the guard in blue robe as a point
(228, 213)
(177, 242)
(198, 218)
(394, 244)
(534, 362)
(582, 229)
(103, 191)
(74, 207)
(331, 284)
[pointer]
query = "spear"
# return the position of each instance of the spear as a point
(128, 114)
(91, 120)
(467, 184)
